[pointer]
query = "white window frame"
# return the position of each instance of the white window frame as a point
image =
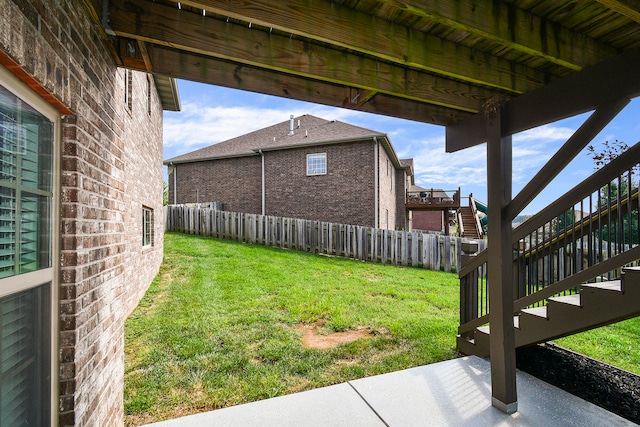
(147, 227)
(27, 281)
(312, 169)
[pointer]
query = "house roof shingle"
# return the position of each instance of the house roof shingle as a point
(308, 130)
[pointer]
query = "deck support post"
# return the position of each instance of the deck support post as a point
(499, 265)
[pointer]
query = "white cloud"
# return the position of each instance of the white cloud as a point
(546, 133)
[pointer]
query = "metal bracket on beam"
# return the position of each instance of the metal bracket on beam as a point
(105, 18)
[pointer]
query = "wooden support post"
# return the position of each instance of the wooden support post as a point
(469, 285)
(500, 264)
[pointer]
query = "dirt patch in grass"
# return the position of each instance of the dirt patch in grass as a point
(312, 339)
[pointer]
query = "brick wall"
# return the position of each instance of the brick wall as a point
(110, 167)
(402, 219)
(387, 190)
(427, 220)
(235, 182)
(344, 195)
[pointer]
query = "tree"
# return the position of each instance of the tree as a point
(618, 189)
(165, 193)
(564, 220)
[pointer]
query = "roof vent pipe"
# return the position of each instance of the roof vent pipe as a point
(298, 124)
(291, 125)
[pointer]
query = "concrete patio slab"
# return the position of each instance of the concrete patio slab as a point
(458, 393)
(451, 393)
(337, 405)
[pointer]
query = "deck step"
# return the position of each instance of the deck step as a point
(573, 300)
(536, 311)
(613, 285)
(596, 305)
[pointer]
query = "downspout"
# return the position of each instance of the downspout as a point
(375, 180)
(175, 184)
(264, 202)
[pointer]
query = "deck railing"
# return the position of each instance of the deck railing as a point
(433, 198)
(587, 235)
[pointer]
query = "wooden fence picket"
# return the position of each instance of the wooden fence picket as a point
(430, 251)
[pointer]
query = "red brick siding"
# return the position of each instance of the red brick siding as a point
(386, 190)
(235, 182)
(402, 221)
(110, 167)
(427, 220)
(344, 195)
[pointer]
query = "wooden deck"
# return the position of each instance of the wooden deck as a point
(432, 199)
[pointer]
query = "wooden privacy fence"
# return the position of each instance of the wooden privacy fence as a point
(408, 248)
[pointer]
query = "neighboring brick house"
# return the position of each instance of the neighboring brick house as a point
(305, 167)
(81, 202)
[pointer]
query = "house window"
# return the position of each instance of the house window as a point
(317, 164)
(147, 226)
(27, 138)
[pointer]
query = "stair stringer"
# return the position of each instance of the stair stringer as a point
(598, 304)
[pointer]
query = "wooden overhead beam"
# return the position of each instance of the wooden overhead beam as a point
(158, 24)
(204, 69)
(601, 117)
(575, 94)
(628, 8)
(514, 28)
(344, 27)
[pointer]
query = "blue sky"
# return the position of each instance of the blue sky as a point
(211, 114)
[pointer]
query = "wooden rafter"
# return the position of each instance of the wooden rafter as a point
(628, 8)
(190, 32)
(348, 28)
(514, 28)
(205, 69)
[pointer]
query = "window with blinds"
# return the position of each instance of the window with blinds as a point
(26, 273)
(25, 187)
(24, 371)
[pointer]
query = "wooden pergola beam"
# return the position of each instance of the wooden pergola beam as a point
(205, 69)
(628, 8)
(344, 27)
(514, 28)
(578, 93)
(157, 24)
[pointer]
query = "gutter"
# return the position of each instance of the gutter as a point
(204, 159)
(175, 188)
(376, 182)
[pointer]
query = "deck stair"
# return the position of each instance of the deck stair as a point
(469, 223)
(596, 305)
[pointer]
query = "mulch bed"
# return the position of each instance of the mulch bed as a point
(613, 389)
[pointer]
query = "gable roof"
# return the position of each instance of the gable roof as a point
(308, 130)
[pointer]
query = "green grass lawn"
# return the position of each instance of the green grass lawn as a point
(218, 325)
